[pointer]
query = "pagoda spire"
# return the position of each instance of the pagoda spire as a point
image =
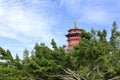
(75, 27)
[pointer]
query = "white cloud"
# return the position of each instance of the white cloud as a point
(26, 23)
(96, 16)
(18, 22)
(93, 11)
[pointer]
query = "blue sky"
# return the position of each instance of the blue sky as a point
(25, 22)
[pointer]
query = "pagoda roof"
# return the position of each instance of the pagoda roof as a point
(74, 27)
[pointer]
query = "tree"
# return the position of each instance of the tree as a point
(92, 58)
(53, 43)
(7, 71)
(115, 35)
(102, 35)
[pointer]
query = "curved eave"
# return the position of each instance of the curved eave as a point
(74, 29)
(74, 34)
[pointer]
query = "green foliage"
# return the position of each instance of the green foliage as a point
(54, 44)
(115, 36)
(102, 35)
(94, 58)
(86, 35)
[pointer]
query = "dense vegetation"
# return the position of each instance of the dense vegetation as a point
(94, 58)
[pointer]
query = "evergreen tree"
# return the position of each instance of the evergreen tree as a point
(115, 35)
(94, 58)
(53, 43)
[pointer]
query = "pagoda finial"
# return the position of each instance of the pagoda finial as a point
(75, 27)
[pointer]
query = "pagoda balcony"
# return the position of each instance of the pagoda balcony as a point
(73, 38)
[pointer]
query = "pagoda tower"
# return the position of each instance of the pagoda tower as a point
(73, 37)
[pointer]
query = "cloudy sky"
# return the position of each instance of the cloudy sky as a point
(25, 22)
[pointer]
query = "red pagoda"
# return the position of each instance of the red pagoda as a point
(73, 37)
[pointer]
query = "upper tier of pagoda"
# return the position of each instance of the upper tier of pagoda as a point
(74, 31)
(73, 36)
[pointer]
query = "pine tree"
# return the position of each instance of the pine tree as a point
(54, 44)
(115, 35)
